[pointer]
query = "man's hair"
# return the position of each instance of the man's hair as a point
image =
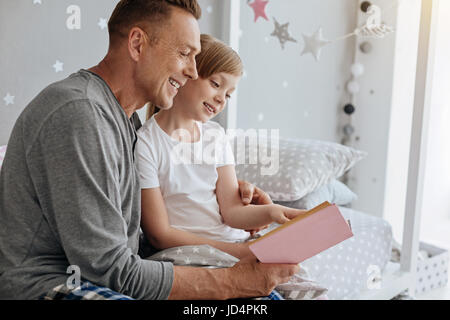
(132, 13)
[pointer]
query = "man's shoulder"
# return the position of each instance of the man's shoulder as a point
(68, 100)
(74, 87)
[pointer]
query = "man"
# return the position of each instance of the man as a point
(69, 191)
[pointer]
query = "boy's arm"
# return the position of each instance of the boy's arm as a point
(237, 215)
(251, 194)
(156, 226)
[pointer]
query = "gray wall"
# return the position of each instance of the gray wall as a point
(34, 36)
(281, 89)
(311, 103)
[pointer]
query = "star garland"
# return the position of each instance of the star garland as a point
(259, 7)
(282, 33)
(314, 43)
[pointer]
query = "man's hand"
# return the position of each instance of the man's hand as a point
(246, 279)
(250, 278)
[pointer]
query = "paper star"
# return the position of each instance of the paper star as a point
(102, 23)
(314, 44)
(282, 33)
(9, 99)
(209, 9)
(58, 66)
(179, 251)
(260, 117)
(195, 250)
(259, 7)
(37, 2)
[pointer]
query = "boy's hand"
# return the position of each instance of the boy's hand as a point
(251, 194)
(253, 231)
(281, 214)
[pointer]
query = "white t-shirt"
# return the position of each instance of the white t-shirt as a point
(187, 174)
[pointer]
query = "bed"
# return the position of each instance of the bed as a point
(346, 271)
(308, 174)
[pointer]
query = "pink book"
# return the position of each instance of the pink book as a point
(303, 237)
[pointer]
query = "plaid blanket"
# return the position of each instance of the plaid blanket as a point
(86, 291)
(89, 291)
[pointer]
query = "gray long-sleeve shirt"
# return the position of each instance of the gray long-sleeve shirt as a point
(70, 195)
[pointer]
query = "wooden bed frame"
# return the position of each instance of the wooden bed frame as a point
(397, 278)
(403, 277)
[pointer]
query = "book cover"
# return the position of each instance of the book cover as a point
(303, 237)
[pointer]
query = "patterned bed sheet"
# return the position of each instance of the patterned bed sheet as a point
(345, 270)
(355, 264)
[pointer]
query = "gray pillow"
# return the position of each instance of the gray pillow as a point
(335, 192)
(303, 165)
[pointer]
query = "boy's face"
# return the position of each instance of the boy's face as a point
(204, 99)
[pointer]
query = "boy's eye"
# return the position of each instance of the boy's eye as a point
(228, 96)
(215, 84)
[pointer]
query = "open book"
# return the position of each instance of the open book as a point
(303, 237)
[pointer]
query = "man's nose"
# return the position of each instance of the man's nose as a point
(191, 70)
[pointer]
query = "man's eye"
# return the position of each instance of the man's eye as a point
(184, 54)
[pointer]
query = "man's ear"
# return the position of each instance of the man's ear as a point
(136, 41)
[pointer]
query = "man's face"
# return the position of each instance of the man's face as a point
(169, 63)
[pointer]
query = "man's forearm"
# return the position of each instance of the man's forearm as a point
(191, 283)
(248, 278)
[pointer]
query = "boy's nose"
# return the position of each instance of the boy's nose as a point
(220, 99)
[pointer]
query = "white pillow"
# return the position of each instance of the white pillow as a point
(335, 192)
(304, 166)
(2, 154)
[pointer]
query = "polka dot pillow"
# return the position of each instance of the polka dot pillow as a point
(301, 166)
(335, 192)
(2, 154)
